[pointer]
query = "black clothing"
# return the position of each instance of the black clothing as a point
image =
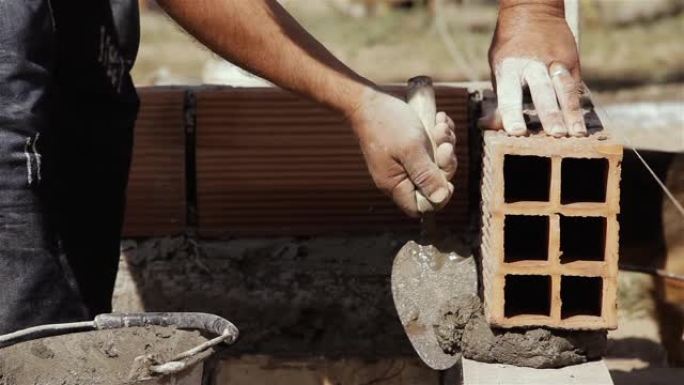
(67, 109)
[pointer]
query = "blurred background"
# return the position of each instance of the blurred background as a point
(625, 44)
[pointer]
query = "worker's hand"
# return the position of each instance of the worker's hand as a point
(399, 154)
(534, 47)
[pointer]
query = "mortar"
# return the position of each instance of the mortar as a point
(132, 351)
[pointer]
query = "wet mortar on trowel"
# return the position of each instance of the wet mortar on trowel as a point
(460, 327)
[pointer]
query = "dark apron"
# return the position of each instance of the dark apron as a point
(67, 109)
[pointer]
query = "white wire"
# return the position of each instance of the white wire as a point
(606, 119)
(39, 330)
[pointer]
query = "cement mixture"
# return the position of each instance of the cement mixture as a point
(463, 328)
(100, 357)
(320, 296)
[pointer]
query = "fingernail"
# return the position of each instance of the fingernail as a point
(578, 129)
(558, 130)
(518, 129)
(557, 70)
(440, 195)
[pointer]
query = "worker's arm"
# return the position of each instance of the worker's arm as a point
(533, 46)
(262, 37)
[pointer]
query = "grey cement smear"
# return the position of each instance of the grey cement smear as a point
(326, 296)
(424, 276)
(462, 328)
(288, 296)
(94, 358)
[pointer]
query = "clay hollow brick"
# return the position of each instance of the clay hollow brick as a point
(550, 232)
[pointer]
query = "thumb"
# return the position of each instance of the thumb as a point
(427, 177)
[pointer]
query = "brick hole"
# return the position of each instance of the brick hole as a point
(526, 237)
(527, 294)
(581, 296)
(582, 239)
(526, 178)
(583, 180)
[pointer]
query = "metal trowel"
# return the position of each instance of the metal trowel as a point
(425, 274)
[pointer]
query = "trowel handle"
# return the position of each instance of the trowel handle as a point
(421, 97)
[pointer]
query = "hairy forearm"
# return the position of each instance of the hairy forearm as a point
(260, 36)
(518, 15)
(550, 7)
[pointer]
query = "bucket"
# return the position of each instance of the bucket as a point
(137, 353)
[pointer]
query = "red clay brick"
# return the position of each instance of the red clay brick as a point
(156, 203)
(549, 250)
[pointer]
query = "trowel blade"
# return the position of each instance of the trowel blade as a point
(424, 278)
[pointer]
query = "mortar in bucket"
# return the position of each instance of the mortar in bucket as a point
(128, 348)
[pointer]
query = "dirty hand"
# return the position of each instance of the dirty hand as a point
(534, 47)
(399, 154)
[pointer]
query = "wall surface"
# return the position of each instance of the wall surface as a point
(288, 296)
(226, 162)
